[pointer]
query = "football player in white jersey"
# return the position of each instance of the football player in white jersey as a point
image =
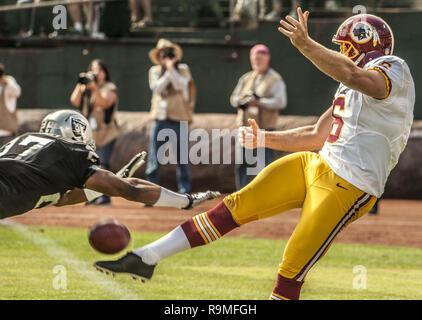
(361, 137)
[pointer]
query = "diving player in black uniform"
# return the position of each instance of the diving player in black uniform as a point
(58, 166)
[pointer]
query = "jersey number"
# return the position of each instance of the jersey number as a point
(338, 106)
(35, 142)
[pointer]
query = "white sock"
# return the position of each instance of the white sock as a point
(173, 242)
(171, 199)
(78, 26)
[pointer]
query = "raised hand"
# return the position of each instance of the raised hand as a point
(296, 31)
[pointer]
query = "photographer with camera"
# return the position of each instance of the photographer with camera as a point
(10, 91)
(259, 94)
(96, 97)
(173, 101)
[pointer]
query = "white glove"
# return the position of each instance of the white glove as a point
(134, 164)
(196, 199)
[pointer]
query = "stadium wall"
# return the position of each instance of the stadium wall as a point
(47, 69)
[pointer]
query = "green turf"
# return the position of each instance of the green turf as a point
(231, 268)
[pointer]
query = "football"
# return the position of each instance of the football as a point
(109, 236)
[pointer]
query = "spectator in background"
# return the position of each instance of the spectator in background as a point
(91, 18)
(246, 13)
(275, 13)
(260, 94)
(97, 99)
(207, 8)
(10, 91)
(27, 18)
(135, 20)
(172, 102)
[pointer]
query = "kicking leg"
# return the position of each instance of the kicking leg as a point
(279, 187)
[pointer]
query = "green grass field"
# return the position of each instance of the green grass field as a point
(56, 263)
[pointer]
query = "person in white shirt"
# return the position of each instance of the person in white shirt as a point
(172, 104)
(10, 91)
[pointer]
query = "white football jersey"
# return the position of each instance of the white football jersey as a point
(368, 134)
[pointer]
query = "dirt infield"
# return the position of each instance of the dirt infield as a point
(398, 222)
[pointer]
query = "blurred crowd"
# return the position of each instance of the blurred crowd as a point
(259, 94)
(87, 20)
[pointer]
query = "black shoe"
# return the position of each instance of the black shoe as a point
(196, 199)
(102, 201)
(90, 203)
(131, 264)
(374, 209)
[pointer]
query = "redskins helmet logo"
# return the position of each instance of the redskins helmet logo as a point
(78, 127)
(362, 32)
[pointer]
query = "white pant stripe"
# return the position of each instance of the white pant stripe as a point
(204, 230)
(333, 234)
(209, 226)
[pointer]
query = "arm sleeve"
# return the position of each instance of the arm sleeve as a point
(13, 88)
(235, 96)
(179, 81)
(82, 163)
(393, 72)
(277, 98)
(156, 83)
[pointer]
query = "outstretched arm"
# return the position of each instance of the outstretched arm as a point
(332, 63)
(106, 182)
(307, 138)
(135, 189)
(132, 189)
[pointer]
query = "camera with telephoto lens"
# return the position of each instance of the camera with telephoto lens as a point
(168, 53)
(244, 103)
(86, 77)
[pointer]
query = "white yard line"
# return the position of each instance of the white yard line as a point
(67, 259)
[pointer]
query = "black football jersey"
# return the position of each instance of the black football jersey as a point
(36, 169)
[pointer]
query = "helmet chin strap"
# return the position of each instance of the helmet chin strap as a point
(360, 58)
(368, 56)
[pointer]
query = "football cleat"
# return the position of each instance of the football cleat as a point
(374, 209)
(134, 164)
(130, 264)
(196, 199)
